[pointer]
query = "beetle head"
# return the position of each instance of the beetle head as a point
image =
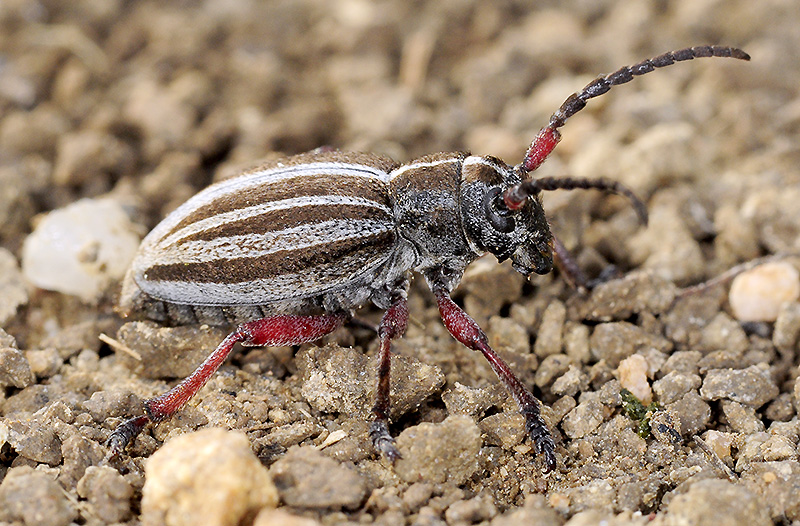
(523, 235)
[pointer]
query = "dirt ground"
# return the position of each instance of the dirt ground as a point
(114, 112)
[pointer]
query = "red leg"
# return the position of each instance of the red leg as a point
(464, 329)
(271, 331)
(393, 325)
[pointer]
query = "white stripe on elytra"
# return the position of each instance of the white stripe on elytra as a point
(474, 159)
(261, 244)
(308, 282)
(406, 167)
(249, 181)
(249, 212)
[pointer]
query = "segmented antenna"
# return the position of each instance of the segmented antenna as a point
(533, 186)
(548, 137)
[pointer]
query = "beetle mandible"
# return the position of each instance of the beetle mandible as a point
(289, 250)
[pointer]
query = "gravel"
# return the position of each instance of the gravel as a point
(306, 478)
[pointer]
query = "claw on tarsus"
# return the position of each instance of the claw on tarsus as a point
(383, 442)
(541, 437)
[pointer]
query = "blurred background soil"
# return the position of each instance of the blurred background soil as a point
(114, 112)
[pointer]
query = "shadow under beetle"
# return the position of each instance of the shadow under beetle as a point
(289, 250)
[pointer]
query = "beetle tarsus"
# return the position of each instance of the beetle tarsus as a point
(124, 434)
(536, 428)
(382, 441)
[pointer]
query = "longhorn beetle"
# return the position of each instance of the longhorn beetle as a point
(290, 249)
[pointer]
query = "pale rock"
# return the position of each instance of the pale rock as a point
(80, 249)
(759, 293)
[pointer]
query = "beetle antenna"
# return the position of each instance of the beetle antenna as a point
(520, 192)
(548, 137)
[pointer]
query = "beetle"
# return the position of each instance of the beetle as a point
(290, 249)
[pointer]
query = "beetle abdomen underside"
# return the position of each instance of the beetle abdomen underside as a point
(293, 230)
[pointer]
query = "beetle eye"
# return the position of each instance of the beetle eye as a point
(497, 213)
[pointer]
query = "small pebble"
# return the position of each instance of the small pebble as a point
(713, 502)
(721, 443)
(503, 429)
(684, 323)
(14, 369)
(342, 380)
(34, 498)
(44, 363)
(80, 249)
(787, 327)
(780, 409)
(776, 483)
(576, 342)
(584, 419)
(88, 154)
(507, 335)
(553, 366)
(438, 453)
(32, 439)
(752, 386)
(153, 351)
(593, 495)
(307, 478)
(292, 434)
(79, 453)
(613, 342)
(674, 385)
(485, 274)
(108, 493)
(796, 395)
(750, 450)
(466, 400)
(472, 511)
(632, 373)
(571, 382)
(667, 247)
(723, 333)
(549, 336)
(534, 511)
(684, 362)
(416, 495)
(779, 447)
(210, 477)
(741, 418)
(618, 299)
(759, 293)
(561, 407)
(694, 412)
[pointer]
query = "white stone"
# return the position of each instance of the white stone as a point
(759, 293)
(632, 373)
(80, 249)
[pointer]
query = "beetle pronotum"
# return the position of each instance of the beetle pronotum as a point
(291, 248)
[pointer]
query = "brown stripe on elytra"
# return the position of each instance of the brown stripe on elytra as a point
(277, 220)
(303, 185)
(281, 262)
(443, 177)
(374, 161)
(490, 170)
